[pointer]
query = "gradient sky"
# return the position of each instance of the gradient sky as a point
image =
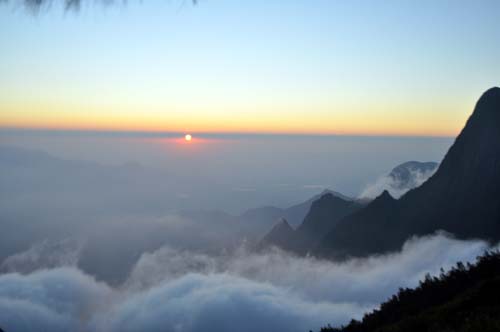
(325, 67)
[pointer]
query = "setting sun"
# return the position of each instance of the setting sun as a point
(188, 137)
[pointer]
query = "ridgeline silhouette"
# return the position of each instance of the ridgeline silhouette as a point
(462, 197)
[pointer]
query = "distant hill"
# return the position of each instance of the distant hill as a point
(254, 223)
(465, 299)
(279, 235)
(294, 215)
(323, 215)
(324, 211)
(462, 197)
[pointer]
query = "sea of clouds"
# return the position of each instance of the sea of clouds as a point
(174, 290)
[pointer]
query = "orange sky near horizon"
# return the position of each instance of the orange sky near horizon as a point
(382, 120)
(390, 69)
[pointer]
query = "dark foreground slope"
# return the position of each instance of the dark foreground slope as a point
(462, 197)
(466, 299)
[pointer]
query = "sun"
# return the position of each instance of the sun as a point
(188, 137)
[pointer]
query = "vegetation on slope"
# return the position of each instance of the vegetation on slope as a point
(465, 299)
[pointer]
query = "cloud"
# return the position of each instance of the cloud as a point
(172, 290)
(50, 300)
(315, 279)
(394, 185)
(219, 302)
(167, 264)
(45, 254)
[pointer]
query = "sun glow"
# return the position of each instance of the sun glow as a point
(188, 138)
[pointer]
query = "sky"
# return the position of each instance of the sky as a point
(296, 67)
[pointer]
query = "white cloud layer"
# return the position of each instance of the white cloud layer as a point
(394, 186)
(171, 290)
(45, 254)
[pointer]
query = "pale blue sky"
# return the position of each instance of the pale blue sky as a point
(350, 64)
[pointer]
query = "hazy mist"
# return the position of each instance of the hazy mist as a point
(124, 221)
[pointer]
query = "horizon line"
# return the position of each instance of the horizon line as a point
(213, 134)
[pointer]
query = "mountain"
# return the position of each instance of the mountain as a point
(462, 197)
(294, 215)
(323, 214)
(257, 221)
(279, 235)
(328, 208)
(465, 299)
(343, 232)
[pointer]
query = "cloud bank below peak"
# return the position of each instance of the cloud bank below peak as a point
(184, 291)
(400, 180)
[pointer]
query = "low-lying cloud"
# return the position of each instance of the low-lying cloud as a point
(62, 299)
(394, 185)
(45, 254)
(171, 290)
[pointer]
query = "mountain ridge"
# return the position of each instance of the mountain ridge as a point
(323, 214)
(462, 197)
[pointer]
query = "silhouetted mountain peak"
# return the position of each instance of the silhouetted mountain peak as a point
(486, 114)
(474, 159)
(385, 194)
(280, 235)
(282, 225)
(462, 197)
(324, 214)
(327, 198)
(324, 211)
(489, 101)
(384, 197)
(336, 194)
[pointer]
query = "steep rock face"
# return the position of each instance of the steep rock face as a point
(462, 197)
